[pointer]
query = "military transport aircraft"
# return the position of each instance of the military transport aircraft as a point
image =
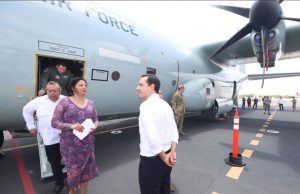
(112, 53)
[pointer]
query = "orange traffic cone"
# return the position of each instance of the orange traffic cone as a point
(235, 159)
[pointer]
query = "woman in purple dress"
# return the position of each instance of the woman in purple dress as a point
(78, 155)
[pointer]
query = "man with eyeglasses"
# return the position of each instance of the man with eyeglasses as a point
(44, 107)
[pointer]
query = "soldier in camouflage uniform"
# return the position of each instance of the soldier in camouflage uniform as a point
(59, 74)
(179, 108)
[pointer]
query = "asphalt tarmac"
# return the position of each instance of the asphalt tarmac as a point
(269, 144)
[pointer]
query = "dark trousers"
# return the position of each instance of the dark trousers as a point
(154, 176)
(254, 106)
(280, 106)
(54, 158)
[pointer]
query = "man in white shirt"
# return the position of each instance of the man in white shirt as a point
(158, 138)
(44, 107)
(280, 103)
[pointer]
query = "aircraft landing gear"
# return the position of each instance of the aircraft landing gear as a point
(211, 113)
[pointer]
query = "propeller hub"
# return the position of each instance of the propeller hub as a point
(265, 13)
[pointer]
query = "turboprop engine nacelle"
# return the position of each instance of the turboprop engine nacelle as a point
(199, 94)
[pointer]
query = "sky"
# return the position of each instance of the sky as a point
(192, 23)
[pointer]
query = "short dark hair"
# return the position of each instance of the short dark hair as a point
(61, 63)
(72, 84)
(153, 79)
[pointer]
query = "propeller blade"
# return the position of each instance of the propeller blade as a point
(242, 11)
(264, 39)
(240, 34)
(292, 19)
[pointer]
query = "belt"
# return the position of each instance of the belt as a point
(156, 156)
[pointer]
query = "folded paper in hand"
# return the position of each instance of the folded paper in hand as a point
(87, 124)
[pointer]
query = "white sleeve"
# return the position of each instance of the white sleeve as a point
(151, 130)
(28, 111)
(173, 127)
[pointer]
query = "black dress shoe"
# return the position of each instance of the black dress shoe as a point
(57, 189)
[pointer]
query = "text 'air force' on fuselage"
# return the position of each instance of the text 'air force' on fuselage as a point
(103, 18)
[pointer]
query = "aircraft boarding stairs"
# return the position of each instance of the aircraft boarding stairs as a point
(45, 166)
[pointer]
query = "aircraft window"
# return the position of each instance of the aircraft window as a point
(208, 91)
(115, 75)
(173, 82)
(151, 71)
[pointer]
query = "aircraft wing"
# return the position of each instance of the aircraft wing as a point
(272, 75)
(292, 45)
(236, 54)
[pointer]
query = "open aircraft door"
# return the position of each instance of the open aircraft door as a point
(77, 68)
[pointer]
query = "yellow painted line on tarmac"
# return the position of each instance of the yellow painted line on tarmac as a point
(254, 142)
(235, 172)
(262, 130)
(247, 153)
(260, 135)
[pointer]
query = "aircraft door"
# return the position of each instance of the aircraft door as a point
(76, 67)
(43, 63)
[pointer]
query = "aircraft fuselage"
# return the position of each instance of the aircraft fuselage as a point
(109, 52)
